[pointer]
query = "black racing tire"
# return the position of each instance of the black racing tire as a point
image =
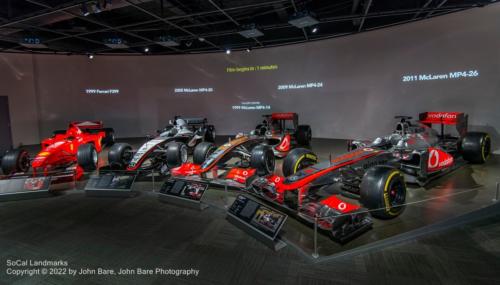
(476, 147)
(177, 154)
(202, 151)
(86, 157)
(262, 159)
(383, 192)
(298, 159)
(15, 161)
(304, 135)
(109, 139)
(119, 155)
(58, 132)
(210, 134)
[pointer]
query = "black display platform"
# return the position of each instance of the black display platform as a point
(183, 193)
(257, 220)
(20, 188)
(111, 185)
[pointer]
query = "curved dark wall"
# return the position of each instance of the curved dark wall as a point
(361, 76)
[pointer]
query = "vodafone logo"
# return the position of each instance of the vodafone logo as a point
(439, 159)
(285, 143)
(342, 206)
(433, 159)
(245, 173)
(277, 179)
(442, 115)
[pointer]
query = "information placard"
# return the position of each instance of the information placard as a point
(262, 218)
(111, 181)
(186, 189)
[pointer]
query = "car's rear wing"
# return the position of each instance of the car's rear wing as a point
(282, 116)
(192, 120)
(87, 125)
(460, 120)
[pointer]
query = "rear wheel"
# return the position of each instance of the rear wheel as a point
(383, 191)
(476, 147)
(210, 134)
(119, 155)
(177, 154)
(15, 161)
(262, 159)
(202, 151)
(109, 139)
(298, 159)
(304, 135)
(86, 157)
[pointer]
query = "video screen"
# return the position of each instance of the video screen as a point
(347, 87)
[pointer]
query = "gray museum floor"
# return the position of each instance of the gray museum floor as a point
(142, 232)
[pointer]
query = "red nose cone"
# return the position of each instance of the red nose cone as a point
(39, 161)
(186, 169)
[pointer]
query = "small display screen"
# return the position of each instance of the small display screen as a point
(191, 190)
(111, 181)
(260, 217)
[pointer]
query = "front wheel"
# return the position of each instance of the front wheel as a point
(86, 157)
(177, 154)
(262, 159)
(298, 159)
(202, 151)
(383, 192)
(15, 161)
(119, 155)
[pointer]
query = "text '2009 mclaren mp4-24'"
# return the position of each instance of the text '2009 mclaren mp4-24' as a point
(372, 173)
(171, 145)
(68, 153)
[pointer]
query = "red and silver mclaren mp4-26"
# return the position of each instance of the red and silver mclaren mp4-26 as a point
(373, 173)
(338, 192)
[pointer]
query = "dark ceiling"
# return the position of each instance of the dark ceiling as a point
(198, 25)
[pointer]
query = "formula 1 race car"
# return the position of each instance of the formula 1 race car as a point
(181, 135)
(233, 162)
(372, 172)
(67, 153)
(283, 132)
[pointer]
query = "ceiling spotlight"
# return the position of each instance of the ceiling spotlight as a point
(303, 19)
(201, 39)
(314, 30)
(84, 10)
(91, 56)
(146, 49)
(228, 51)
